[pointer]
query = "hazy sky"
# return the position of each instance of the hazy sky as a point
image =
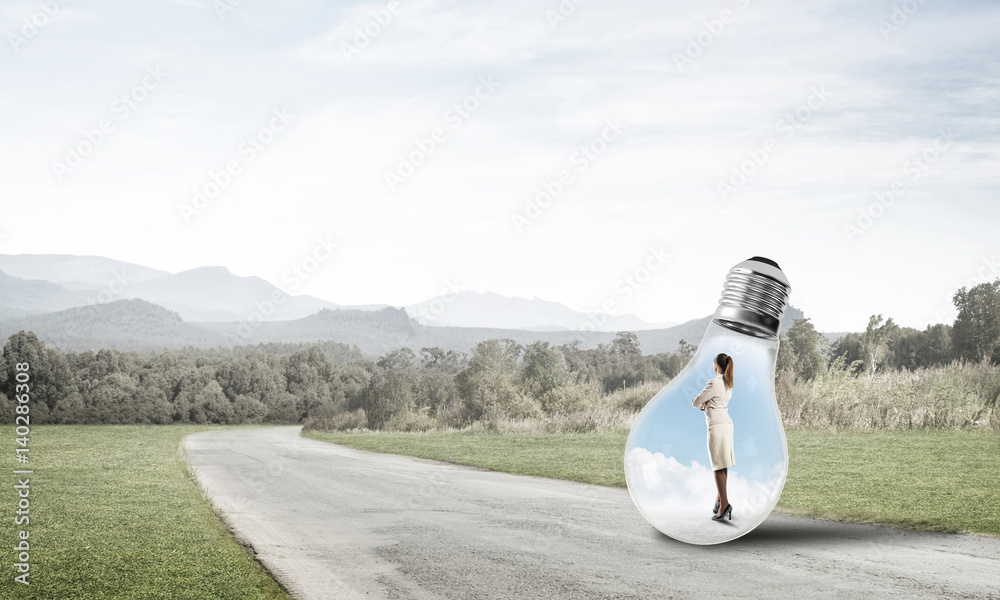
(681, 137)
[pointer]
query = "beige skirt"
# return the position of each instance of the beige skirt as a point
(720, 445)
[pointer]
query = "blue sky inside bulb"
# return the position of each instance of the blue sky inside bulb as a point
(667, 466)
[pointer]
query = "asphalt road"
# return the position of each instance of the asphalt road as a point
(333, 522)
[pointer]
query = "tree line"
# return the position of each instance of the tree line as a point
(334, 384)
(265, 384)
(973, 337)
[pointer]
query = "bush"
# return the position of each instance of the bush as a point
(411, 421)
(571, 397)
(635, 398)
(355, 419)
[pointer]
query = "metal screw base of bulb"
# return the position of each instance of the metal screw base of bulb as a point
(754, 298)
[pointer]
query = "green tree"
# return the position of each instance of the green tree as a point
(620, 364)
(544, 368)
(800, 352)
(389, 392)
(848, 348)
(436, 390)
(626, 346)
(669, 364)
(200, 398)
(353, 379)
(247, 409)
(936, 348)
(786, 362)
(911, 348)
(308, 374)
(436, 393)
(875, 342)
(809, 345)
(438, 361)
(211, 403)
(976, 332)
(402, 359)
(391, 389)
(489, 385)
(108, 400)
(686, 350)
(49, 377)
(903, 348)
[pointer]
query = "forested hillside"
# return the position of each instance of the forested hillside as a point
(123, 325)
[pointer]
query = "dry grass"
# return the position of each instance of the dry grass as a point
(958, 396)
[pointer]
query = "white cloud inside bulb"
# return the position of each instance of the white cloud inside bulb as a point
(662, 484)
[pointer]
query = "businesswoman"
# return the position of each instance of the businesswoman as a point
(714, 400)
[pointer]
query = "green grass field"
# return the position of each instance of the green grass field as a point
(114, 514)
(942, 481)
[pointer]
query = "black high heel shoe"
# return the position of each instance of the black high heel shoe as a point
(722, 517)
(715, 509)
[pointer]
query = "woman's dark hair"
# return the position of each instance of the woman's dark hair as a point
(725, 363)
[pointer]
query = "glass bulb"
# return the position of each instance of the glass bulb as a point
(667, 466)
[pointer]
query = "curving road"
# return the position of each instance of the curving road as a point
(333, 522)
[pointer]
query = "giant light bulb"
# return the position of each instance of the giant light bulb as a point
(667, 464)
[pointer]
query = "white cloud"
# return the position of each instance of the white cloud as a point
(663, 485)
(676, 498)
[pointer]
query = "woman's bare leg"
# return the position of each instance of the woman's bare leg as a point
(720, 484)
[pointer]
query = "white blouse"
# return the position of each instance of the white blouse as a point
(715, 397)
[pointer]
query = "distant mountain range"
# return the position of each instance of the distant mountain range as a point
(140, 325)
(41, 283)
(489, 309)
(91, 302)
(202, 294)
